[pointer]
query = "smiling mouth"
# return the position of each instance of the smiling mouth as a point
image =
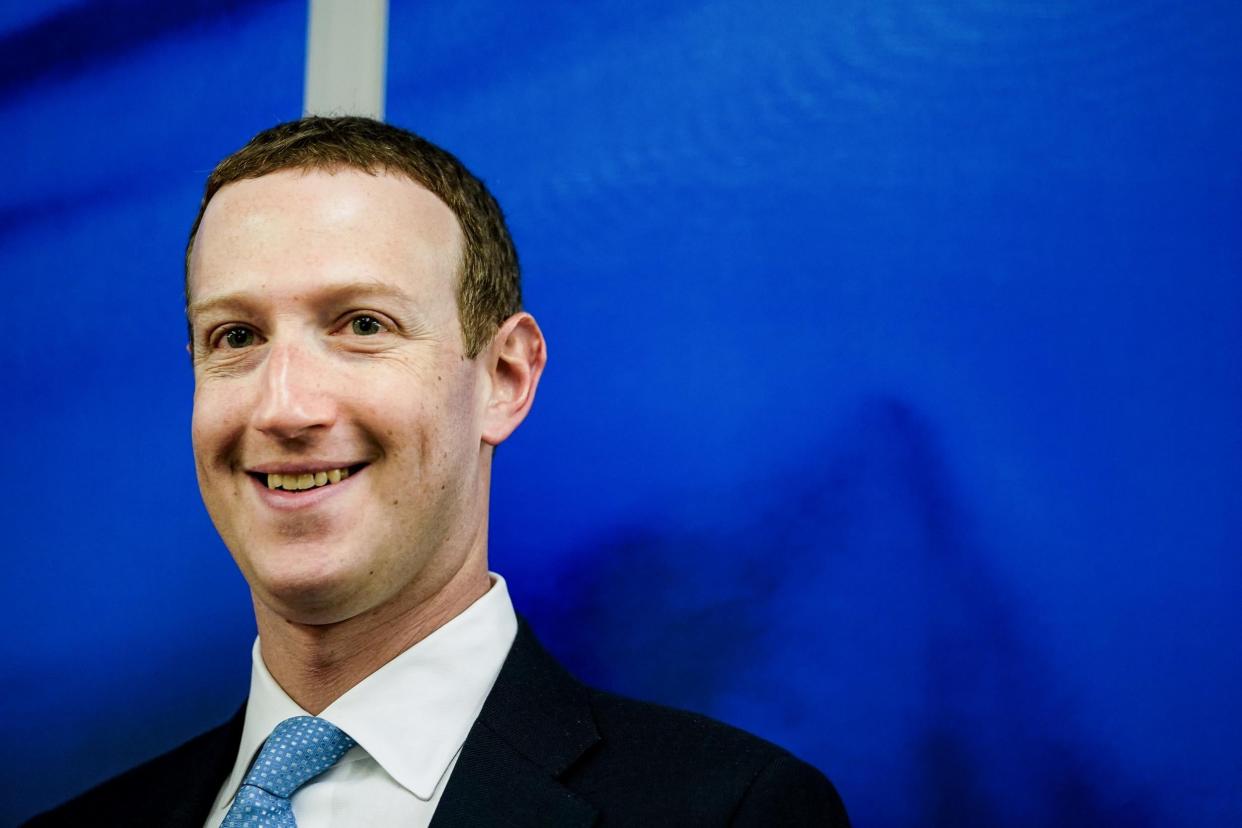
(302, 481)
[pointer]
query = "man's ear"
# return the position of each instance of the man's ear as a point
(515, 360)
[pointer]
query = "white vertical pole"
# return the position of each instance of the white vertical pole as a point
(346, 57)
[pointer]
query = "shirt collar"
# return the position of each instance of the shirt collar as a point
(413, 714)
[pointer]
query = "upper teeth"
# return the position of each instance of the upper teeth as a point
(305, 480)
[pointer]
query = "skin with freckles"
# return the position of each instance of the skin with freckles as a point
(325, 335)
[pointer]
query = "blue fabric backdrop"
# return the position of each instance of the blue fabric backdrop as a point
(893, 404)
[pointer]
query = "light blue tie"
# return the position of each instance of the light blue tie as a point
(298, 750)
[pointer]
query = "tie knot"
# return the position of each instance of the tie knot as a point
(298, 750)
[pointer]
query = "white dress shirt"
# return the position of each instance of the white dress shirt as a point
(409, 719)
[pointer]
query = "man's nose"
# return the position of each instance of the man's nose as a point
(294, 397)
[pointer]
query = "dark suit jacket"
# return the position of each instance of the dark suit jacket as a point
(545, 751)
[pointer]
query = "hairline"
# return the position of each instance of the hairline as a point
(332, 168)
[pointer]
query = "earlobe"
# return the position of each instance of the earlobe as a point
(516, 358)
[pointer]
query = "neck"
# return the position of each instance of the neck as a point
(317, 663)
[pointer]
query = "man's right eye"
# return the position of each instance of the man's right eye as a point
(239, 337)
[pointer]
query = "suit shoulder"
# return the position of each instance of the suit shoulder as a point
(788, 791)
(181, 781)
(678, 733)
(694, 770)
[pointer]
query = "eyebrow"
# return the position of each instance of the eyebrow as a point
(248, 300)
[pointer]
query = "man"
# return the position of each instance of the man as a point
(359, 351)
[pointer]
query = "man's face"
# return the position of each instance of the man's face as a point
(327, 347)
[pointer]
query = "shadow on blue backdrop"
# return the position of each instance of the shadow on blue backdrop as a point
(902, 611)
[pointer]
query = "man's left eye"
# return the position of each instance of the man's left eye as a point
(365, 325)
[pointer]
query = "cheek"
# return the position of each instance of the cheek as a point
(428, 415)
(443, 437)
(200, 434)
(215, 424)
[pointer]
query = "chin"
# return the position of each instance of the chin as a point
(310, 588)
(315, 603)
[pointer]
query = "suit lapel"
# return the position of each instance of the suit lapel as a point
(197, 783)
(535, 724)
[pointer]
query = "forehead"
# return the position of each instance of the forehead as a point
(296, 229)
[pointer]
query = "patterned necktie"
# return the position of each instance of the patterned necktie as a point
(298, 750)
